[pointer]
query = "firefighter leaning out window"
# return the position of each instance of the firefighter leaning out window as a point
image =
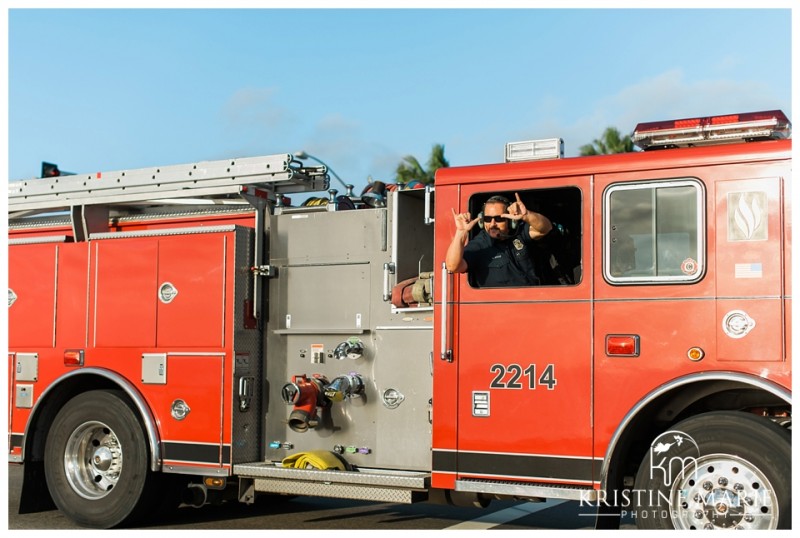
(511, 248)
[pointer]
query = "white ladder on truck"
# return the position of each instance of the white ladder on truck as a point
(89, 197)
(277, 174)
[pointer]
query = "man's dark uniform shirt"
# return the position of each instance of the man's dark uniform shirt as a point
(493, 263)
(513, 262)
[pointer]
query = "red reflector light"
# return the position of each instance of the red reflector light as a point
(73, 357)
(694, 122)
(622, 345)
(720, 120)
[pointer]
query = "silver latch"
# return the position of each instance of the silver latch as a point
(269, 271)
(388, 269)
(245, 392)
(167, 292)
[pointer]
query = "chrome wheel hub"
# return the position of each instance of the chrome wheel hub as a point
(93, 460)
(722, 491)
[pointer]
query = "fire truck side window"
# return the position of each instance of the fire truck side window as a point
(556, 258)
(654, 232)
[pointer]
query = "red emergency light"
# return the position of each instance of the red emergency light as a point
(686, 132)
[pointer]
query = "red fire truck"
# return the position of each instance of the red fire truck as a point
(186, 334)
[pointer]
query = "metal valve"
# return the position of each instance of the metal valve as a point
(344, 386)
(352, 348)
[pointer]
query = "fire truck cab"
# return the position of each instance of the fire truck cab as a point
(186, 333)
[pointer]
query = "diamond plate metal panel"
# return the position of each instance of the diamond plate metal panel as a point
(247, 359)
(339, 491)
(388, 479)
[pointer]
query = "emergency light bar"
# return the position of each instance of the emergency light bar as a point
(534, 150)
(771, 124)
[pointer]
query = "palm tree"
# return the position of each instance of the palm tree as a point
(410, 168)
(611, 142)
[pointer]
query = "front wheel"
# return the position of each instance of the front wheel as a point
(96, 461)
(720, 470)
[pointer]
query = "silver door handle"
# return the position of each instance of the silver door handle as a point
(447, 352)
(428, 205)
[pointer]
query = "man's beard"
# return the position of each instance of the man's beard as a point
(497, 233)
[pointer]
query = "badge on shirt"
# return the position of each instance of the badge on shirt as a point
(518, 244)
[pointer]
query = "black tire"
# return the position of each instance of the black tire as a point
(735, 474)
(97, 461)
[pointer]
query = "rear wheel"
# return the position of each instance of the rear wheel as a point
(97, 461)
(718, 470)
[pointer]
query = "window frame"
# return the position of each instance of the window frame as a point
(477, 200)
(700, 256)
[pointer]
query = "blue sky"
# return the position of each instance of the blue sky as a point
(94, 89)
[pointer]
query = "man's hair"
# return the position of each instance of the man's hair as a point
(497, 199)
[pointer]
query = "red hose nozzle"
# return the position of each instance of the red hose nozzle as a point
(306, 395)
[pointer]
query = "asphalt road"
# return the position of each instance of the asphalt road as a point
(313, 513)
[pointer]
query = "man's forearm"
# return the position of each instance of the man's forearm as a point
(454, 259)
(538, 223)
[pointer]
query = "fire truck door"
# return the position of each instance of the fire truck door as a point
(523, 356)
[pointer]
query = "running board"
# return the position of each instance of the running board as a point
(528, 490)
(383, 485)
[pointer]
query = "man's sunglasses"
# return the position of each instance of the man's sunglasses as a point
(494, 218)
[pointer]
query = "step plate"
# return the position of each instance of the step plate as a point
(340, 491)
(533, 490)
(362, 477)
